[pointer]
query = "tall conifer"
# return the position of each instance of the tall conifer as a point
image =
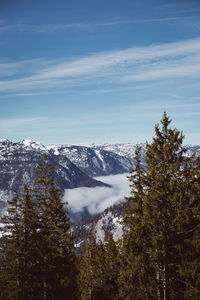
(136, 271)
(112, 269)
(38, 259)
(86, 275)
(18, 256)
(56, 256)
(163, 219)
(92, 271)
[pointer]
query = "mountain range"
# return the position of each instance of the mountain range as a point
(75, 166)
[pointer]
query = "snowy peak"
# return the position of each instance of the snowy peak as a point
(33, 145)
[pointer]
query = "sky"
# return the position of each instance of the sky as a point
(95, 71)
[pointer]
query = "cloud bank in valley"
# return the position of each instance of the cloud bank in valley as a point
(99, 198)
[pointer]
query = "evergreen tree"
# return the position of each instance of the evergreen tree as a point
(188, 229)
(38, 259)
(86, 275)
(92, 271)
(164, 159)
(99, 271)
(136, 271)
(17, 247)
(164, 208)
(112, 269)
(56, 256)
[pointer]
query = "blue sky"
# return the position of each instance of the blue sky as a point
(98, 71)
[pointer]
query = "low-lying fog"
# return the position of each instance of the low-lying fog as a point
(99, 198)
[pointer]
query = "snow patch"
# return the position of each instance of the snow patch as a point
(101, 158)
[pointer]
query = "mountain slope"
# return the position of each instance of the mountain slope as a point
(18, 163)
(73, 164)
(94, 160)
(101, 226)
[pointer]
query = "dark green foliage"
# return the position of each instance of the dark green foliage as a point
(38, 258)
(86, 275)
(162, 245)
(136, 267)
(99, 270)
(18, 245)
(189, 229)
(112, 269)
(56, 258)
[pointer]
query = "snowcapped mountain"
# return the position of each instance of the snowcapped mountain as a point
(74, 164)
(18, 163)
(126, 150)
(98, 160)
(29, 144)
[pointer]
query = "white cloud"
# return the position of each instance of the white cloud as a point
(84, 26)
(133, 65)
(22, 68)
(12, 123)
(165, 72)
(99, 198)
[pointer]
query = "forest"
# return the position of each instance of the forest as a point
(158, 257)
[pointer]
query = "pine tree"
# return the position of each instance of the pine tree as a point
(188, 229)
(112, 269)
(136, 271)
(86, 275)
(164, 159)
(92, 271)
(164, 208)
(99, 271)
(17, 247)
(38, 259)
(56, 256)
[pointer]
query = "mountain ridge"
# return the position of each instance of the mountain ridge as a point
(75, 165)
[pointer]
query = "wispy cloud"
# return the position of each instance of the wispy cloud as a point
(106, 69)
(84, 26)
(116, 90)
(14, 122)
(28, 94)
(174, 69)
